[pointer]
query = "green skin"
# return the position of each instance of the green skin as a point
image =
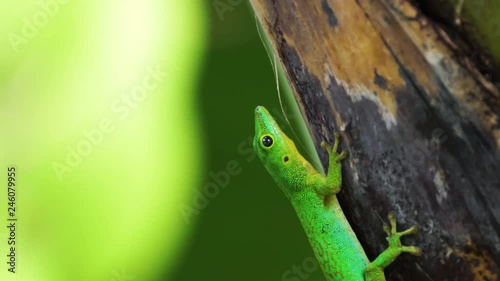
(312, 195)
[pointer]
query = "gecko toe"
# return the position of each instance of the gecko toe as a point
(326, 146)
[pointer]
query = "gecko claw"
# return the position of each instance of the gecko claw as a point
(326, 146)
(337, 141)
(342, 155)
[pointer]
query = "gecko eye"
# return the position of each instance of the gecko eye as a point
(267, 141)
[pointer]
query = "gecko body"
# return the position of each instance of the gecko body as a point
(313, 196)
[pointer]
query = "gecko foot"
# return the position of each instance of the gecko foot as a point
(394, 238)
(333, 181)
(334, 155)
(375, 270)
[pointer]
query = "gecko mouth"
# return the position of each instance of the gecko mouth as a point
(259, 120)
(262, 118)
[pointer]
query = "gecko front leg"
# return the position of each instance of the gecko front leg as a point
(332, 182)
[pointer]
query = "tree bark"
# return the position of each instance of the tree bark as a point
(474, 22)
(418, 117)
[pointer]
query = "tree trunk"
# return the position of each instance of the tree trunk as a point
(418, 116)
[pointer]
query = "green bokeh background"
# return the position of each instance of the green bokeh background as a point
(119, 213)
(249, 231)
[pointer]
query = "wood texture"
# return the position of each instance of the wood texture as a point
(421, 125)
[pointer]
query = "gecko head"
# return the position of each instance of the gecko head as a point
(273, 147)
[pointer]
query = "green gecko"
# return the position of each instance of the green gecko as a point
(312, 195)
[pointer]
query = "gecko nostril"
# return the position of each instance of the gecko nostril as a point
(258, 110)
(285, 159)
